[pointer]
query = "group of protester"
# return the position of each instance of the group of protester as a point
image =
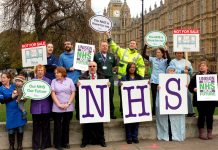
(64, 81)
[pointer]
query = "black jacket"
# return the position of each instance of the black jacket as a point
(86, 75)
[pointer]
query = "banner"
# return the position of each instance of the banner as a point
(173, 94)
(207, 87)
(36, 89)
(34, 53)
(94, 101)
(156, 39)
(84, 53)
(100, 23)
(186, 40)
(136, 101)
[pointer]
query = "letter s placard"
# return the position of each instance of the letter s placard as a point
(173, 94)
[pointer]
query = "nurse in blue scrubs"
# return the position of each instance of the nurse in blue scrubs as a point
(14, 121)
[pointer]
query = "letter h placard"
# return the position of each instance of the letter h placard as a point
(136, 101)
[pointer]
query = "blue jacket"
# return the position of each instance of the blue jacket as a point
(13, 113)
(66, 60)
(52, 63)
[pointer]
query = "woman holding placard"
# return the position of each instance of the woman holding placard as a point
(169, 127)
(131, 128)
(14, 121)
(40, 110)
(183, 66)
(63, 93)
(205, 108)
(159, 65)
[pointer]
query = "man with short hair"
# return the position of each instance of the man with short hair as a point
(93, 133)
(106, 61)
(126, 55)
(66, 60)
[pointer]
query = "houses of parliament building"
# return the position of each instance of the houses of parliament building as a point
(169, 15)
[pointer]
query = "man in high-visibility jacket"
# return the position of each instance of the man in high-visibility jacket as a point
(126, 55)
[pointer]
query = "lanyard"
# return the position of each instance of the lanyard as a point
(104, 58)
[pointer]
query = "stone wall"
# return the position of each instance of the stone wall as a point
(114, 131)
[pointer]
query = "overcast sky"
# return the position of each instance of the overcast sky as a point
(99, 5)
(135, 5)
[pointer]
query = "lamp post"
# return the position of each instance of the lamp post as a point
(142, 24)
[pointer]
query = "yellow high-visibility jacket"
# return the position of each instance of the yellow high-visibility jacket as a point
(125, 56)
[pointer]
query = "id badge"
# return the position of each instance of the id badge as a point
(104, 67)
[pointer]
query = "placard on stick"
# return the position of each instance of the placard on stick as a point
(34, 53)
(186, 40)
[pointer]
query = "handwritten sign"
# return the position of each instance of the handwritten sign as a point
(136, 101)
(186, 40)
(207, 87)
(84, 53)
(100, 23)
(173, 94)
(34, 53)
(36, 89)
(94, 101)
(156, 39)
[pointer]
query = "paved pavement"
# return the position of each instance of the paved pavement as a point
(188, 144)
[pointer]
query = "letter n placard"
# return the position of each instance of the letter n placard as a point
(173, 94)
(136, 101)
(94, 101)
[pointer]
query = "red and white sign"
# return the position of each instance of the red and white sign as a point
(186, 40)
(34, 44)
(34, 53)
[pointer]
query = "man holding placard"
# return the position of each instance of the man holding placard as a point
(106, 61)
(125, 56)
(66, 60)
(205, 83)
(93, 133)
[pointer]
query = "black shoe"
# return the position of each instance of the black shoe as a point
(58, 148)
(129, 141)
(113, 117)
(135, 141)
(67, 146)
(83, 145)
(103, 144)
(191, 115)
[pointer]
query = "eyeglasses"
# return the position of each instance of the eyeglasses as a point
(92, 66)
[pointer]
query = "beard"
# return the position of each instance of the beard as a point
(68, 49)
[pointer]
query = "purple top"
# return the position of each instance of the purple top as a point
(41, 106)
(63, 90)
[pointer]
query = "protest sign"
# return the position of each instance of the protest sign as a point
(136, 101)
(207, 87)
(94, 101)
(186, 40)
(173, 94)
(34, 53)
(100, 23)
(84, 53)
(36, 89)
(156, 39)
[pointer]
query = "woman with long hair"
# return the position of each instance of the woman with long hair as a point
(131, 129)
(159, 64)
